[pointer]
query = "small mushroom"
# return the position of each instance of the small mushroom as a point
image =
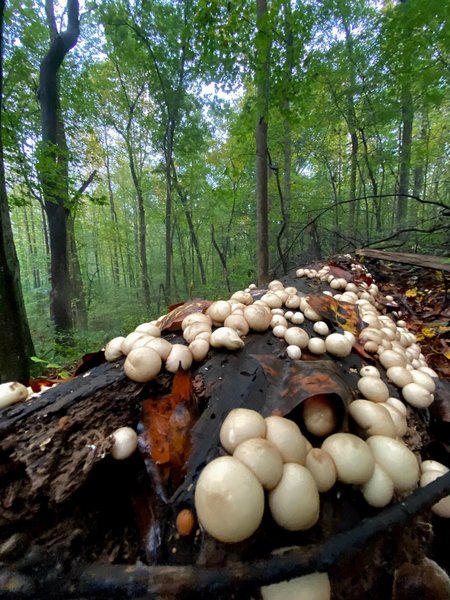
(317, 345)
(131, 339)
(258, 317)
(239, 425)
(319, 415)
(397, 460)
(423, 379)
(193, 330)
(12, 392)
(124, 443)
(162, 346)
(369, 371)
(352, 456)
(378, 491)
(238, 323)
(263, 460)
(195, 317)
(296, 336)
(294, 352)
(225, 337)
(321, 466)
(287, 511)
(338, 345)
(287, 437)
(199, 349)
(441, 508)
(400, 376)
(373, 418)
(373, 388)
(113, 349)
(180, 357)
(315, 586)
(219, 311)
(321, 328)
(229, 500)
(149, 329)
(416, 395)
(142, 364)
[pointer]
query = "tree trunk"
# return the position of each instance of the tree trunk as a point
(15, 340)
(287, 133)
(53, 164)
(405, 156)
(262, 108)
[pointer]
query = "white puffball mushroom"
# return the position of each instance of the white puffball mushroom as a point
(258, 317)
(397, 460)
(199, 349)
(219, 311)
(296, 336)
(279, 331)
(369, 371)
(278, 319)
(229, 500)
(373, 418)
(378, 491)
(373, 388)
(294, 352)
(196, 317)
(352, 456)
(294, 502)
(180, 357)
(398, 416)
(238, 323)
(142, 364)
(113, 349)
(131, 339)
(149, 329)
(398, 405)
(338, 345)
(400, 376)
(242, 297)
(315, 586)
(317, 345)
(321, 328)
(12, 392)
(423, 379)
(286, 436)
(124, 443)
(263, 460)
(319, 415)
(321, 466)
(390, 358)
(239, 425)
(311, 314)
(162, 346)
(193, 330)
(272, 300)
(416, 395)
(433, 465)
(441, 508)
(298, 318)
(225, 337)
(300, 272)
(429, 371)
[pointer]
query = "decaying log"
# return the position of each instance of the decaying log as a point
(439, 263)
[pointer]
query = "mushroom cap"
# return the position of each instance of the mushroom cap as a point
(315, 586)
(161, 345)
(12, 392)
(293, 352)
(142, 364)
(321, 466)
(131, 339)
(263, 459)
(433, 465)
(373, 418)
(258, 317)
(369, 371)
(321, 328)
(352, 456)
(237, 322)
(391, 358)
(319, 415)
(296, 336)
(441, 508)
(378, 491)
(239, 425)
(125, 441)
(338, 345)
(417, 395)
(219, 310)
(113, 349)
(423, 379)
(229, 500)
(225, 337)
(397, 460)
(179, 357)
(294, 502)
(287, 437)
(195, 317)
(373, 388)
(149, 329)
(317, 345)
(199, 349)
(400, 376)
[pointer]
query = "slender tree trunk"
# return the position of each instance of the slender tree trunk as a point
(15, 340)
(262, 108)
(115, 245)
(287, 132)
(53, 165)
(405, 157)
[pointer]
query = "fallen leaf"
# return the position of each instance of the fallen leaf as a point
(343, 315)
(172, 321)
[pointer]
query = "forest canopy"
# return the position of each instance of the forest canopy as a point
(139, 139)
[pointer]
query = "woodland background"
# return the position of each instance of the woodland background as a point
(156, 150)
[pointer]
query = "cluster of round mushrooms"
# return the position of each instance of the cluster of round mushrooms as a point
(271, 458)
